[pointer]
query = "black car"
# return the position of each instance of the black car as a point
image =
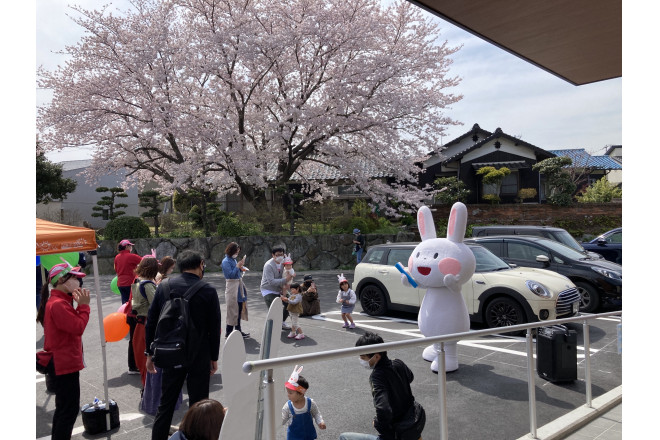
(598, 280)
(551, 232)
(608, 245)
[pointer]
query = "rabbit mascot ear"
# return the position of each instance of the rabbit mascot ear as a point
(457, 223)
(425, 223)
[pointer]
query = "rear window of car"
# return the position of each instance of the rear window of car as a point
(374, 256)
(398, 256)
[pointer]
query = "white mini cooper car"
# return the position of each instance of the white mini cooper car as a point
(497, 294)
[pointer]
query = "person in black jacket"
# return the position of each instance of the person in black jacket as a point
(393, 399)
(205, 313)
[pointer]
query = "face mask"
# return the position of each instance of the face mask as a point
(365, 364)
(234, 256)
(278, 260)
(308, 283)
(203, 268)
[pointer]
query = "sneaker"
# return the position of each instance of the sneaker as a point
(291, 335)
(131, 371)
(345, 325)
(245, 335)
(352, 325)
(285, 326)
(300, 336)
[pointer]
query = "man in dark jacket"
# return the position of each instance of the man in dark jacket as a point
(205, 313)
(393, 399)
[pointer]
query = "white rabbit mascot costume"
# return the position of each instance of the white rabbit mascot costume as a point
(441, 266)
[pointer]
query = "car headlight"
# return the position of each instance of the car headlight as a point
(607, 273)
(538, 289)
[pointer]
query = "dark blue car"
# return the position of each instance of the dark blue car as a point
(608, 245)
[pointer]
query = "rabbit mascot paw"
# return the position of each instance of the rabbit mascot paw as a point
(442, 266)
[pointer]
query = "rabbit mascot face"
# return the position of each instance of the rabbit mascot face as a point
(442, 266)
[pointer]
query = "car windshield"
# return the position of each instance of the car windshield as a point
(487, 261)
(562, 250)
(567, 239)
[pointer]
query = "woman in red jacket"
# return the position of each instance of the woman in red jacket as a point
(63, 328)
(125, 264)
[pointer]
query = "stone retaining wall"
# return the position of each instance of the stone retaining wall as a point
(322, 252)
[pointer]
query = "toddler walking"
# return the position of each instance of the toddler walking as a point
(294, 308)
(346, 297)
(300, 412)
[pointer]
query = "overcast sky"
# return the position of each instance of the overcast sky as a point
(499, 89)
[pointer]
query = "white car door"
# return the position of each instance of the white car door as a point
(399, 293)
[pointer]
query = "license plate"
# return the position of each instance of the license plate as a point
(576, 306)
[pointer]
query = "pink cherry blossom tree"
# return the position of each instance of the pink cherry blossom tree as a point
(241, 96)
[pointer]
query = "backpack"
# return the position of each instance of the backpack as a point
(176, 339)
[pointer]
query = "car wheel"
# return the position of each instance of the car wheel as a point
(373, 300)
(589, 299)
(503, 312)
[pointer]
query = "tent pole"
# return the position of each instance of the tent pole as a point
(99, 307)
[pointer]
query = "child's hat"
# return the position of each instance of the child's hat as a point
(292, 383)
(151, 255)
(59, 270)
(287, 259)
(342, 278)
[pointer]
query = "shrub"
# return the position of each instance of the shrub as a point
(454, 190)
(231, 226)
(493, 199)
(526, 193)
(601, 191)
(126, 227)
(360, 223)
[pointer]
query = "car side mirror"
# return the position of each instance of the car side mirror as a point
(602, 242)
(543, 259)
(513, 265)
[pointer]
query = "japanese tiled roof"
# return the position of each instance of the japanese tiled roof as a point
(497, 134)
(311, 170)
(583, 159)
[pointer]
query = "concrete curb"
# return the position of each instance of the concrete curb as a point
(576, 419)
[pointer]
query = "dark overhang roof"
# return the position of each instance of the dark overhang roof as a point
(510, 164)
(576, 40)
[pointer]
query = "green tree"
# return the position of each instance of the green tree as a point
(127, 227)
(560, 182)
(108, 203)
(50, 183)
(492, 177)
(201, 207)
(452, 190)
(151, 200)
(601, 191)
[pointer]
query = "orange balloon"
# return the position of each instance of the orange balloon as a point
(115, 327)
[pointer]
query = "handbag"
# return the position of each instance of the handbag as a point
(45, 362)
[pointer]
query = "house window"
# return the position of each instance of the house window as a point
(510, 184)
(345, 190)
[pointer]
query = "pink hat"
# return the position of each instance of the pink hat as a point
(292, 383)
(125, 243)
(151, 255)
(59, 270)
(342, 279)
(287, 259)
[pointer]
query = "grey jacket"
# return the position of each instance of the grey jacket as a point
(271, 278)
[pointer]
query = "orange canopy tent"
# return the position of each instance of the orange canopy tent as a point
(55, 238)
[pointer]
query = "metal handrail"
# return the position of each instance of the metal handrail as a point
(270, 364)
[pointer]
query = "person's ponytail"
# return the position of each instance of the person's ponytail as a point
(42, 305)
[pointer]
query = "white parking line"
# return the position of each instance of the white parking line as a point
(414, 332)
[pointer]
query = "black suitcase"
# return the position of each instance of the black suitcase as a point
(94, 416)
(556, 354)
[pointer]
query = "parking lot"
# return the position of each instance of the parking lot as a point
(487, 397)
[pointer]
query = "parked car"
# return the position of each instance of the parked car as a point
(597, 280)
(608, 245)
(497, 295)
(557, 234)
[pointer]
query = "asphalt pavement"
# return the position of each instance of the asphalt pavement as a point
(486, 398)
